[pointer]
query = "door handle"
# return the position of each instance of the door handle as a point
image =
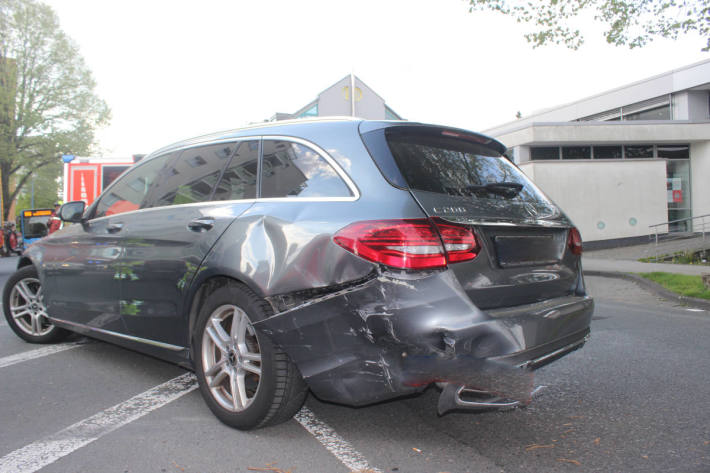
(114, 227)
(201, 224)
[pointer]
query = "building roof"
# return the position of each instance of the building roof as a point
(356, 79)
(692, 77)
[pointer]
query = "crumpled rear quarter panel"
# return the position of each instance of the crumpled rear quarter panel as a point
(394, 333)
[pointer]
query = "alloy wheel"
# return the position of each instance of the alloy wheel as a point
(231, 358)
(27, 307)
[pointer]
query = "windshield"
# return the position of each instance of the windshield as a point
(458, 167)
(36, 227)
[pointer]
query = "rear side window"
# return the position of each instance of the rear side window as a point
(294, 170)
(192, 177)
(239, 180)
(438, 163)
(131, 189)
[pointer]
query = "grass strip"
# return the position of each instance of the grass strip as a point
(683, 284)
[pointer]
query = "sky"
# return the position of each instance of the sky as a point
(171, 70)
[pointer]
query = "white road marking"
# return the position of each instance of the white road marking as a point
(333, 442)
(690, 309)
(37, 455)
(38, 353)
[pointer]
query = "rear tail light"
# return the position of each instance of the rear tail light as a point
(409, 243)
(574, 241)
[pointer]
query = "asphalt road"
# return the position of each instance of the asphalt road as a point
(636, 398)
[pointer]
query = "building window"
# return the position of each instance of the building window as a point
(678, 190)
(544, 153)
(607, 152)
(390, 115)
(576, 152)
(309, 112)
(658, 108)
(638, 151)
(674, 151)
(659, 113)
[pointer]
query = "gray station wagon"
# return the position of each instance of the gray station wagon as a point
(360, 260)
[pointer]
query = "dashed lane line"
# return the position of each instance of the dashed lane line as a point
(38, 353)
(41, 453)
(333, 442)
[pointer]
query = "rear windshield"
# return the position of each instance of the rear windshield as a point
(438, 163)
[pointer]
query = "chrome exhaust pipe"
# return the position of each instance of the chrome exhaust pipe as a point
(451, 398)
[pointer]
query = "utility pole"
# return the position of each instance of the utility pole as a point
(352, 94)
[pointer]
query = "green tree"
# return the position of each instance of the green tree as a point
(46, 188)
(632, 23)
(47, 100)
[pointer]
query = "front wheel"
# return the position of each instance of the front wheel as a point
(23, 305)
(246, 381)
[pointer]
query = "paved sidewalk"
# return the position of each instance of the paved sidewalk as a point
(650, 250)
(590, 263)
(622, 263)
(625, 259)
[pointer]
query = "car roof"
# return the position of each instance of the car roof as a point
(286, 127)
(255, 129)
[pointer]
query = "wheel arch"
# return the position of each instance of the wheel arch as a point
(201, 291)
(24, 261)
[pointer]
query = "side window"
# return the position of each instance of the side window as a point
(294, 170)
(239, 180)
(129, 192)
(192, 176)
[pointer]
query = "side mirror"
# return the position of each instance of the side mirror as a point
(72, 211)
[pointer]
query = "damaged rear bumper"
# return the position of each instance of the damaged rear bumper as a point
(394, 334)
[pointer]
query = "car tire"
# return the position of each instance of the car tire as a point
(24, 308)
(246, 381)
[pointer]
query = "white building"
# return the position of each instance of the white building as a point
(625, 159)
(337, 100)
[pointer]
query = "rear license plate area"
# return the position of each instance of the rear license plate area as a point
(528, 250)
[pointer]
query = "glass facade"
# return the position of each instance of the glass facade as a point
(638, 151)
(678, 194)
(658, 113)
(658, 108)
(674, 151)
(390, 115)
(309, 112)
(576, 152)
(607, 152)
(544, 153)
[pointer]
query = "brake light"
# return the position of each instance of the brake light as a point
(409, 243)
(466, 136)
(574, 241)
(459, 242)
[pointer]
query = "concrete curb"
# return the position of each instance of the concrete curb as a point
(654, 288)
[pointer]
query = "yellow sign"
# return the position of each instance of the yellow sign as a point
(37, 213)
(346, 93)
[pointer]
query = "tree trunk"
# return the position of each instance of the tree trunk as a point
(6, 202)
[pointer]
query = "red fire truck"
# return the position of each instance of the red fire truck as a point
(86, 178)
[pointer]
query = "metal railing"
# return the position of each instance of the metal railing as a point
(703, 227)
(666, 243)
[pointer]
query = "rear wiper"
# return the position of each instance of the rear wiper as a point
(505, 189)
